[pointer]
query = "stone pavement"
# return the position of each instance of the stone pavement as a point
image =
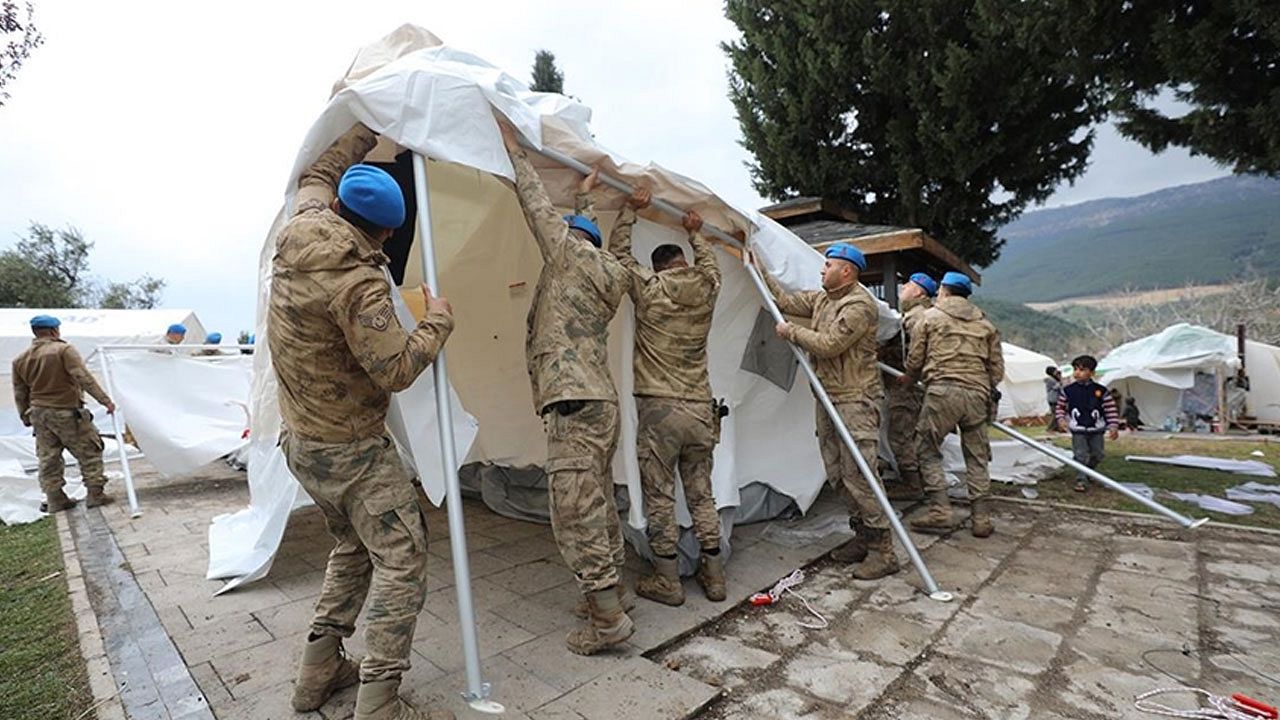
(1058, 615)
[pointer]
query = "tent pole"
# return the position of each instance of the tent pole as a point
(117, 421)
(1061, 457)
(477, 692)
(819, 391)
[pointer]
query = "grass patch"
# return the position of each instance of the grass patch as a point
(1060, 487)
(42, 674)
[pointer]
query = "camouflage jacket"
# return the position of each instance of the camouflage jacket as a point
(578, 292)
(673, 318)
(842, 341)
(336, 345)
(51, 374)
(894, 352)
(955, 343)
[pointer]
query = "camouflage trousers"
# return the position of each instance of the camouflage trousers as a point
(59, 428)
(584, 515)
(904, 414)
(372, 511)
(947, 407)
(677, 433)
(862, 418)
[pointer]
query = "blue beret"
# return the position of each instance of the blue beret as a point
(44, 321)
(926, 283)
(577, 222)
(957, 279)
(178, 328)
(251, 338)
(213, 338)
(372, 194)
(846, 251)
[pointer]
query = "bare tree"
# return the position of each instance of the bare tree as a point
(19, 38)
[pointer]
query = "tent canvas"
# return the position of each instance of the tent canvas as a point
(440, 102)
(1022, 391)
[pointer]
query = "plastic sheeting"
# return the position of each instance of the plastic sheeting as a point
(1255, 492)
(440, 102)
(1240, 467)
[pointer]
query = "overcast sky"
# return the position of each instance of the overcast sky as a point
(165, 131)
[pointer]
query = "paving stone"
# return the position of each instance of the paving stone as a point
(443, 646)
(976, 687)
(883, 635)
(1243, 570)
(1069, 582)
(248, 672)
(837, 675)
(719, 661)
(269, 703)
(954, 569)
(547, 659)
(1263, 554)
(210, 684)
(1118, 648)
(1105, 691)
(1178, 570)
(1042, 611)
(485, 594)
(638, 689)
(779, 704)
(239, 632)
(1003, 643)
(1267, 620)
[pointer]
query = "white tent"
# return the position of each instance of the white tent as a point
(1022, 391)
(440, 102)
(86, 330)
(1180, 368)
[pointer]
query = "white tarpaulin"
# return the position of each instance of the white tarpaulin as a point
(20, 494)
(1240, 467)
(184, 411)
(1022, 391)
(440, 102)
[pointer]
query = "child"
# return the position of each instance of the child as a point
(1052, 393)
(1087, 410)
(1132, 418)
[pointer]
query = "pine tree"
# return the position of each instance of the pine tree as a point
(950, 115)
(546, 77)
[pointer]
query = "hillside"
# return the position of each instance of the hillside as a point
(1192, 234)
(1034, 330)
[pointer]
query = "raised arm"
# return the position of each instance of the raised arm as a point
(704, 257)
(584, 201)
(318, 185)
(547, 225)
(392, 357)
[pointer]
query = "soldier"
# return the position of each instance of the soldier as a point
(578, 293)
(49, 382)
(915, 297)
(338, 353)
(176, 333)
(679, 422)
(842, 344)
(955, 351)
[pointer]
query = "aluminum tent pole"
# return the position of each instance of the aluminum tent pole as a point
(819, 391)
(117, 421)
(1070, 462)
(477, 692)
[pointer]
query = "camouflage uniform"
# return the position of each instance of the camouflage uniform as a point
(905, 401)
(339, 352)
(677, 419)
(567, 349)
(49, 380)
(955, 351)
(843, 346)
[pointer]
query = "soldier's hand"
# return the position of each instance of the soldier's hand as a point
(783, 329)
(691, 221)
(904, 380)
(640, 198)
(510, 137)
(435, 304)
(590, 182)
(111, 408)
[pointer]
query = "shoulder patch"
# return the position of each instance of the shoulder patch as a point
(378, 320)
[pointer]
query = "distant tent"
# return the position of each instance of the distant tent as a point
(1022, 392)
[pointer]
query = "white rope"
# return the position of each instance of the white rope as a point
(1220, 708)
(786, 585)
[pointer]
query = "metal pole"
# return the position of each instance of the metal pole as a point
(935, 592)
(1061, 457)
(477, 692)
(117, 421)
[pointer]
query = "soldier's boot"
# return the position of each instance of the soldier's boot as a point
(881, 561)
(56, 501)
(909, 486)
(711, 577)
(380, 701)
(98, 497)
(324, 669)
(855, 550)
(625, 597)
(936, 518)
(608, 625)
(663, 586)
(980, 519)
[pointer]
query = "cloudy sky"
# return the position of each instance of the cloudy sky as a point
(165, 130)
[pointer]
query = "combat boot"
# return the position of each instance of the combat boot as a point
(663, 586)
(607, 625)
(323, 670)
(56, 501)
(855, 550)
(380, 701)
(625, 597)
(936, 518)
(881, 561)
(908, 487)
(711, 577)
(98, 497)
(980, 519)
